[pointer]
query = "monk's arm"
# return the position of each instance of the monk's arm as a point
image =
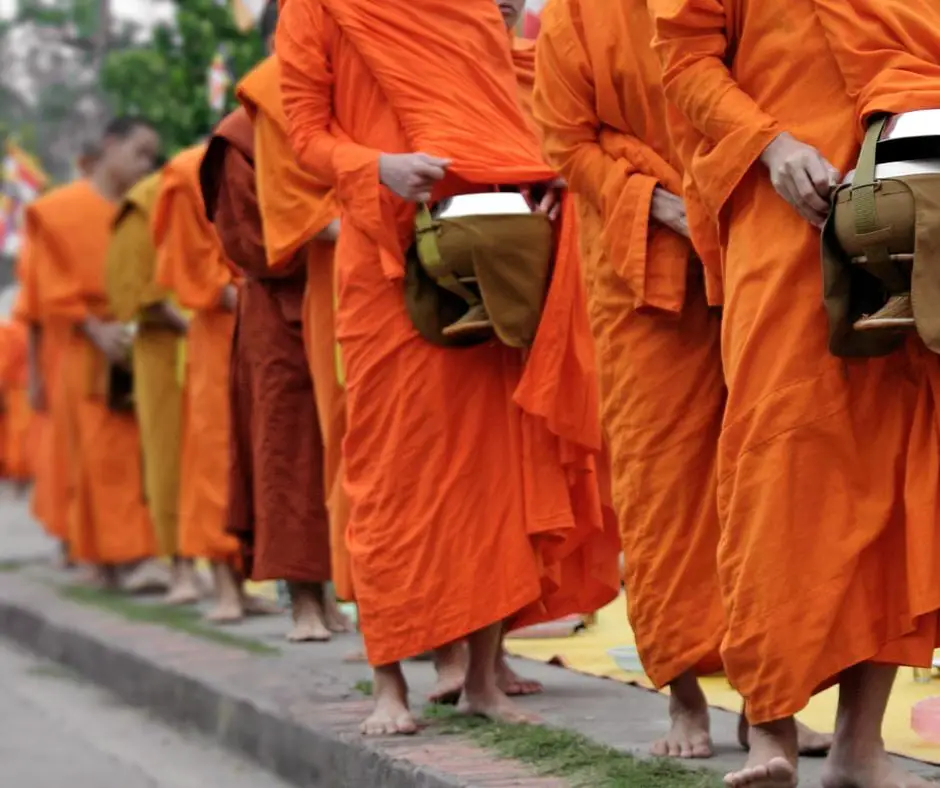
(563, 105)
(890, 61)
(237, 216)
(189, 257)
(692, 45)
(37, 384)
(27, 310)
(307, 93)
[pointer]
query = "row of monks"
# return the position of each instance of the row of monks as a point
(776, 506)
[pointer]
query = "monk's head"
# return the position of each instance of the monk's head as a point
(129, 150)
(268, 25)
(88, 158)
(511, 11)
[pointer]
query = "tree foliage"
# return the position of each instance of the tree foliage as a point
(165, 77)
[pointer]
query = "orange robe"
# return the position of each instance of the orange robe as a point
(18, 428)
(294, 207)
(827, 468)
(460, 464)
(50, 498)
(600, 107)
(191, 264)
(68, 231)
(276, 497)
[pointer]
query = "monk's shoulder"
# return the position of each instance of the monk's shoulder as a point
(55, 200)
(259, 90)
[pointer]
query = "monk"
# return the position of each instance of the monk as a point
(67, 232)
(358, 96)
(135, 297)
(649, 306)
(276, 497)
(18, 424)
(52, 490)
(191, 265)
(835, 457)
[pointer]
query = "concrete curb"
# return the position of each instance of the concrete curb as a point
(298, 753)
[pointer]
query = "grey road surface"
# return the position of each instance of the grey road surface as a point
(56, 732)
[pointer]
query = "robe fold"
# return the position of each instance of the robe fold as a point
(158, 395)
(192, 265)
(68, 231)
(294, 207)
(276, 498)
(599, 104)
(449, 477)
(50, 499)
(19, 427)
(827, 469)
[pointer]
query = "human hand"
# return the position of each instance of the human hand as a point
(229, 298)
(113, 339)
(669, 209)
(550, 203)
(330, 233)
(411, 175)
(802, 176)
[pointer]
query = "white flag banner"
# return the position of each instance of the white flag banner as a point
(247, 13)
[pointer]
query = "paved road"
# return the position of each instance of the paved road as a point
(56, 732)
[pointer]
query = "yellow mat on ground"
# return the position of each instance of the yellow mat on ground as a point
(586, 652)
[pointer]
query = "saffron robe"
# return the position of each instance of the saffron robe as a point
(827, 469)
(158, 395)
(294, 207)
(49, 502)
(599, 104)
(276, 498)
(68, 231)
(19, 425)
(499, 495)
(192, 265)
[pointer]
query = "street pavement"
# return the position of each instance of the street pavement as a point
(57, 732)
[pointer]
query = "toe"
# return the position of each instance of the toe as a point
(659, 749)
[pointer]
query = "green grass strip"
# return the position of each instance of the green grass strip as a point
(553, 752)
(182, 619)
(11, 566)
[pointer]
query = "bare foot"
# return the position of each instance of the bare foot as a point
(450, 662)
(104, 578)
(148, 577)
(182, 592)
(868, 769)
(812, 744)
(690, 734)
(307, 614)
(772, 759)
(226, 612)
(391, 716)
(511, 682)
(496, 706)
(336, 620)
(259, 606)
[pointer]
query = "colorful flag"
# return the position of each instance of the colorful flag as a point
(219, 81)
(23, 175)
(530, 18)
(24, 180)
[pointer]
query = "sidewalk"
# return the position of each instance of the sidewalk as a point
(296, 708)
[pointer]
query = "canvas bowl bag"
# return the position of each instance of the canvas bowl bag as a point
(882, 237)
(488, 249)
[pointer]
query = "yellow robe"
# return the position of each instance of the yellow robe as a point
(158, 395)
